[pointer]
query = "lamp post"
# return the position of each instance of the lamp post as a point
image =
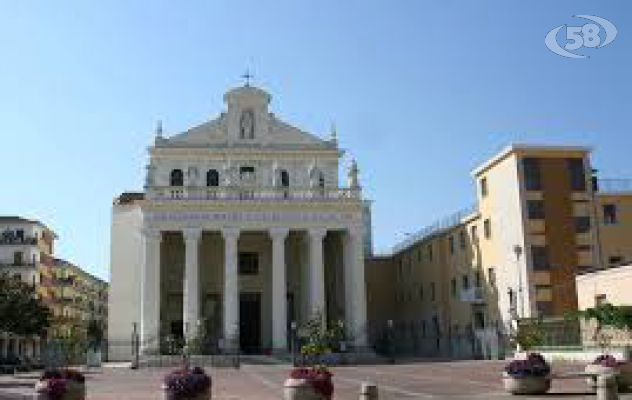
(518, 252)
(293, 341)
(390, 341)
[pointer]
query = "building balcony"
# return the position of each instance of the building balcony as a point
(474, 295)
(614, 185)
(251, 193)
(12, 240)
(17, 265)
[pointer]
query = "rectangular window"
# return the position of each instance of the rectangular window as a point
(484, 187)
(453, 287)
(487, 229)
(432, 291)
(540, 258)
(615, 259)
(491, 276)
(531, 170)
(248, 263)
(535, 209)
(430, 252)
(545, 308)
(466, 282)
(421, 292)
(18, 258)
(462, 239)
(582, 224)
(577, 174)
(477, 278)
(474, 233)
(609, 214)
(600, 299)
(451, 244)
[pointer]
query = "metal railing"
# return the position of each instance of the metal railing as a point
(473, 295)
(614, 185)
(441, 225)
(252, 193)
(13, 240)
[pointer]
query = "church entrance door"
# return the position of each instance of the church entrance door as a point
(250, 323)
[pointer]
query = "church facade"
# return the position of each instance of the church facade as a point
(243, 231)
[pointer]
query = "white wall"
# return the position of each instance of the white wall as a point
(124, 296)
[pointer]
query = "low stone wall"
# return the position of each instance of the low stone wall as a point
(583, 355)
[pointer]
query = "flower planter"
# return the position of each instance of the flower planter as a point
(74, 391)
(526, 384)
(167, 395)
(300, 389)
(600, 370)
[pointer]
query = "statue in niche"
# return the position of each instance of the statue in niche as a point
(247, 125)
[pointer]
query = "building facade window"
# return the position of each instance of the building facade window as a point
(582, 224)
(487, 228)
(18, 258)
(430, 252)
(483, 187)
(176, 178)
(600, 299)
(540, 258)
(535, 209)
(453, 287)
(609, 214)
(212, 178)
(531, 171)
(491, 276)
(285, 179)
(577, 174)
(248, 263)
(544, 308)
(474, 233)
(462, 239)
(477, 279)
(451, 244)
(465, 280)
(432, 291)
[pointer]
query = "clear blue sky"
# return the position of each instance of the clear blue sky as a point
(421, 92)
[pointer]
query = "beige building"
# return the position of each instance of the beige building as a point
(608, 285)
(462, 282)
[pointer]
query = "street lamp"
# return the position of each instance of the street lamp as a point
(518, 252)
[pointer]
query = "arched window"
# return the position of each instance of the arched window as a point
(212, 178)
(177, 178)
(285, 178)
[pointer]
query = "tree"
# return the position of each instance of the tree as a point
(21, 311)
(606, 315)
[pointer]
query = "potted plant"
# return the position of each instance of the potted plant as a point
(313, 382)
(607, 317)
(529, 376)
(187, 384)
(61, 384)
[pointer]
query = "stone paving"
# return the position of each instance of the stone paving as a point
(418, 380)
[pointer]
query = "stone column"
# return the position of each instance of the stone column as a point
(191, 294)
(231, 289)
(279, 289)
(355, 286)
(316, 272)
(150, 292)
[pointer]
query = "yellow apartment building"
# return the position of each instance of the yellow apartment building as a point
(461, 283)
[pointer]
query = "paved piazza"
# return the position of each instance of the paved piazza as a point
(427, 380)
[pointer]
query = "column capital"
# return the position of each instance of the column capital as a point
(192, 233)
(230, 233)
(317, 233)
(152, 233)
(278, 233)
(355, 231)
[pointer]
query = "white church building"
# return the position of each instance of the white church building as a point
(243, 230)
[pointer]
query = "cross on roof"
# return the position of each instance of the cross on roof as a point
(247, 76)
